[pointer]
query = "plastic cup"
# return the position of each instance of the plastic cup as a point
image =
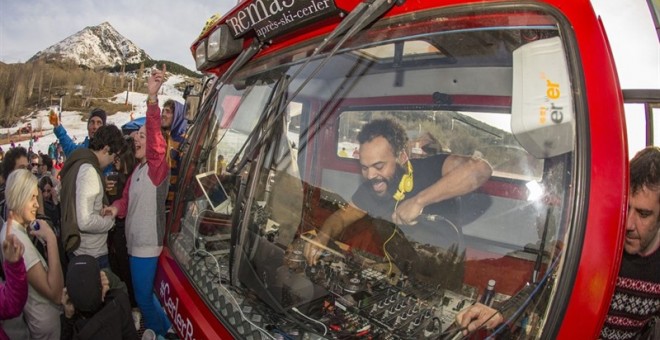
(112, 176)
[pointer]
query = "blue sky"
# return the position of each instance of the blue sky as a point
(165, 29)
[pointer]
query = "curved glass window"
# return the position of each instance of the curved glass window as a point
(299, 204)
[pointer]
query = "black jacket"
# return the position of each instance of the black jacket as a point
(113, 321)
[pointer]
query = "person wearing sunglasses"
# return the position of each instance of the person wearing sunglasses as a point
(35, 165)
(84, 230)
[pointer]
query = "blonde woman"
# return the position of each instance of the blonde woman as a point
(45, 279)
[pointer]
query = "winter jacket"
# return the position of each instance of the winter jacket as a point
(68, 145)
(174, 138)
(113, 321)
(13, 294)
(143, 199)
(69, 174)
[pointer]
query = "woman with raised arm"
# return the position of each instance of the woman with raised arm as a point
(143, 205)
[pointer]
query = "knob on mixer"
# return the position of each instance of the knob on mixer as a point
(352, 285)
(295, 260)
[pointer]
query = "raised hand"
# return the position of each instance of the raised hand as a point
(156, 81)
(53, 118)
(12, 249)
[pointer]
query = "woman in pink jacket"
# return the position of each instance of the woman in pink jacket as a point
(13, 294)
(143, 205)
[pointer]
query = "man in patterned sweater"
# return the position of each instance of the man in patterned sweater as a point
(637, 295)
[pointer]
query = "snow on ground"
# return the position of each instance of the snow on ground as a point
(76, 127)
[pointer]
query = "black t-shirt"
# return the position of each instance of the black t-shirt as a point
(426, 172)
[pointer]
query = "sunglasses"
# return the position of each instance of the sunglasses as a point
(34, 164)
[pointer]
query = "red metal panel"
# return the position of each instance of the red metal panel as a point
(189, 314)
(608, 173)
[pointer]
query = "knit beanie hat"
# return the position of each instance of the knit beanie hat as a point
(98, 113)
(83, 283)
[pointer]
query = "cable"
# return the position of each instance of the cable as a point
(210, 273)
(325, 329)
(235, 303)
(459, 234)
(520, 308)
(284, 334)
(196, 227)
(387, 254)
(195, 250)
(429, 218)
(529, 298)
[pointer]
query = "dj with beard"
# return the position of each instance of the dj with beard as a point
(398, 189)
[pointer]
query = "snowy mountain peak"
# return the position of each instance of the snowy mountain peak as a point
(95, 47)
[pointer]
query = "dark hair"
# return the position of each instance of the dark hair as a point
(97, 112)
(169, 103)
(47, 161)
(10, 159)
(43, 181)
(645, 170)
(127, 156)
(386, 128)
(107, 135)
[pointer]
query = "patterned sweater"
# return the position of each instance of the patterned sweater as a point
(636, 297)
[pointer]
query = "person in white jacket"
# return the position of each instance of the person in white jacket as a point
(84, 229)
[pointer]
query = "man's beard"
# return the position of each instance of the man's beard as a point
(375, 181)
(389, 190)
(165, 125)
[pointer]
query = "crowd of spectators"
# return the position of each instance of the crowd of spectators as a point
(79, 260)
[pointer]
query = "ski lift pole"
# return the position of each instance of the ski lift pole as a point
(128, 88)
(124, 52)
(60, 110)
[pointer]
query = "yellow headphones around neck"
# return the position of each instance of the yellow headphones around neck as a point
(405, 185)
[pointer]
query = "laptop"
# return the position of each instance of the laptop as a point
(214, 192)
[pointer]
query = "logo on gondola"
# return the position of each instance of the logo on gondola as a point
(180, 321)
(552, 94)
(270, 18)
